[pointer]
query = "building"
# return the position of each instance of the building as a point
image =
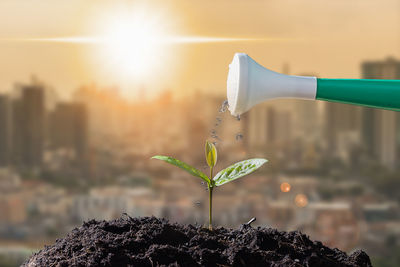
(380, 127)
(68, 128)
(108, 112)
(383, 69)
(308, 117)
(342, 127)
(268, 125)
(28, 127)
(5, 130)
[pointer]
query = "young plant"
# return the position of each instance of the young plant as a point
(227, 175)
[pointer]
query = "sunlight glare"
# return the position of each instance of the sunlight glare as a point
(133, 44)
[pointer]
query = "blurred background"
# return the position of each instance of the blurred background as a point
(90, 90)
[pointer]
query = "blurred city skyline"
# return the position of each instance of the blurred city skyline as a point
(329, 38)
(332, 171)
(88, 93)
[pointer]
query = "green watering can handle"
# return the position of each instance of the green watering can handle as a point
(384, 94)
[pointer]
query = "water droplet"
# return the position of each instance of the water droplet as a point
(239, 137)
(215, 136)
(238, 117)
(224, 106)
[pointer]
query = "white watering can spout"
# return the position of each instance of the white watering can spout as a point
(250, 83)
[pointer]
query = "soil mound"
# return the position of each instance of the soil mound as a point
(151, 241)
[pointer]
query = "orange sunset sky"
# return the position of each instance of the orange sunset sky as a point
(327, 37)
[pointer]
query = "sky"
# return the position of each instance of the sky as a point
(322, 37)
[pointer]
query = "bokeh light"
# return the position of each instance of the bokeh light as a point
(301, 200)
(285, 187)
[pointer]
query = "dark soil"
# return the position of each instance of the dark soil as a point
(156, 242)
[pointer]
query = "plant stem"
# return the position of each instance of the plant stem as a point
(210, 191)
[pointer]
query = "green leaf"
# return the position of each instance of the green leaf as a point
(211, 154)
(193, 171)
(238, 170)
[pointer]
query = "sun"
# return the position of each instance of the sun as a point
(133, 44)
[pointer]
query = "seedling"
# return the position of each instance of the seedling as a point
(227, 175)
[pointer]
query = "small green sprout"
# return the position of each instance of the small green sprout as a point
(227, 175)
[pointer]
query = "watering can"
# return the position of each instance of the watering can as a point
(250, 83)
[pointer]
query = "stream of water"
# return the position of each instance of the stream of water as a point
(218, 121)
(214, 134)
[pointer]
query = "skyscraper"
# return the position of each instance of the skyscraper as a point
(307, 117)
(381, 127)
(384, 69)
(69, 128)
(28, 127)
(5, 130)
(258, 126)
(268, 126)
(340, 119)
